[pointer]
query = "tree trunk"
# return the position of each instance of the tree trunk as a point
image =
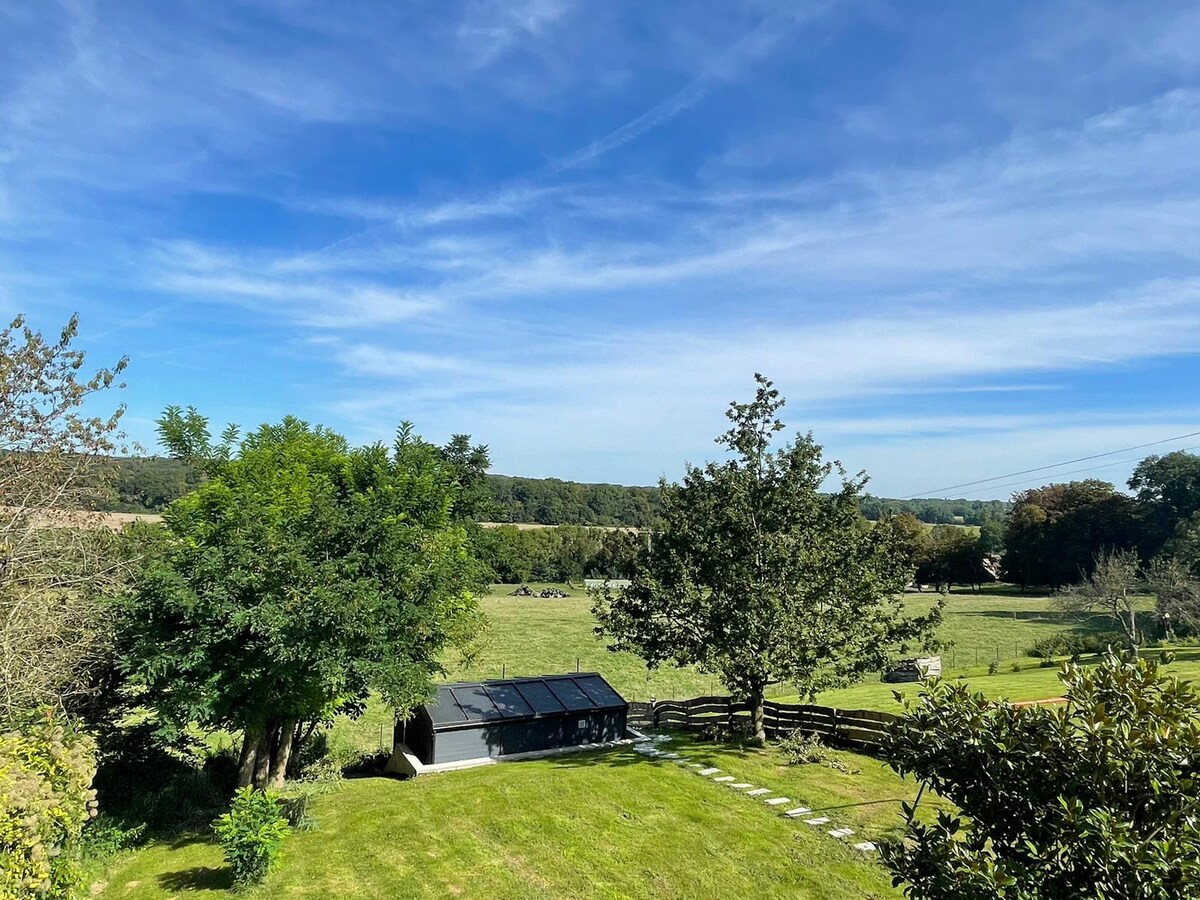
(250, 739)
(262, 756)
(756, 713)
(283, 752)
(300, 736)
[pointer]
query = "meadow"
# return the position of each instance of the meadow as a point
(529, 636)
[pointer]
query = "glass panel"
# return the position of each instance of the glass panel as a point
(508, 700)
(475, 702)
(571, 695)
(444, 710)
(539, 697)
(598, 689)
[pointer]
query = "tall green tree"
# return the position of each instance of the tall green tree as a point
(1097, 798)
(1168, 493)
(1054, 533)
(759, 576)
(300, 576)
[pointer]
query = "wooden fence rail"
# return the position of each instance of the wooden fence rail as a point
(860, 729)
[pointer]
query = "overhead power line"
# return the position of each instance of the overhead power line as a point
(953, 487)
(1119, 462)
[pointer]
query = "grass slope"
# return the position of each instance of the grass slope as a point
(610, 824)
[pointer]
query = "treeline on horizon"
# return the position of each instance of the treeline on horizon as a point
(149, 484)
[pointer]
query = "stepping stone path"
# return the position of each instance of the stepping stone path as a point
(647, 747)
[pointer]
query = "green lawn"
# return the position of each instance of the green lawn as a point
(609, 824)
(1031, 683)
(535, 637)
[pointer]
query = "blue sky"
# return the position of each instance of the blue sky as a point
(962, 238)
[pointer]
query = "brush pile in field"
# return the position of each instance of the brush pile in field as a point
(546, 593)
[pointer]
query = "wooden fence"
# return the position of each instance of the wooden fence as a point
(860, 729)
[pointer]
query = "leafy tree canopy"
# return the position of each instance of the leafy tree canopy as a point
(301, 575)
(758, 576)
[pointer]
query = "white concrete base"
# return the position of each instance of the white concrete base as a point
(404, 762)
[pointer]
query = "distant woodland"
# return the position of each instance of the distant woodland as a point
(148, 484)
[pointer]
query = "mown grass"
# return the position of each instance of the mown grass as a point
(1032, 682)
(607, 824)
(531, 636)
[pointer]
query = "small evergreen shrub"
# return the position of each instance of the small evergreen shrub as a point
(251, 834)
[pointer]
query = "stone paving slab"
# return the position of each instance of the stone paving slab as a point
(841, 832)
(777, 801)
(711, 770)
(820, 820)
(867, 847)
(724, 778)
(758, 792)
(741, 785)
(798, 811)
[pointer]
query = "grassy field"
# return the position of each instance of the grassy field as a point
(610, 824)
(531, 636)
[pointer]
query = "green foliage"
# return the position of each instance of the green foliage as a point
(758, 576)
(561, 554)
(1055, 532)
(46, 797)
(550, 501)
(251, 834)
(801, 748)
(299, 577)
(952, 556)
(1168, 492)
(1075, 645)
(1097, 798)
(164, 787)
(935, 512)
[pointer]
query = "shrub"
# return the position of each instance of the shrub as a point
(45, 798)
(993, 667)
(802, 749)
(167, 789)
(1075, 645)
(251, 834)
(1097, 798)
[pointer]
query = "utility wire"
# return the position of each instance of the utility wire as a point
(1119, 462)
(937, 491)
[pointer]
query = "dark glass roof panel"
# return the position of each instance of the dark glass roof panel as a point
(571, 695)
(476, 703)
(540, 697)
(508, 700)
(443, 709)
(598, 689)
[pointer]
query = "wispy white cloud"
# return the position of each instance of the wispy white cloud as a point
(764, 38)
